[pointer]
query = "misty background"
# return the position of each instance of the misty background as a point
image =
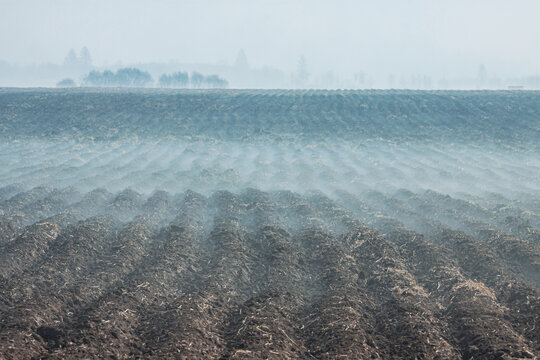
(416, 44)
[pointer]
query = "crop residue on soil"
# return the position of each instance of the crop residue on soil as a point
(269, 224)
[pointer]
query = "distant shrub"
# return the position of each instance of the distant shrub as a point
(214, 81)
(176, 80)
(127, 77)
(66, 83)
(133, 77)
(196, 80)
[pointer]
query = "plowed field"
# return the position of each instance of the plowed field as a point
(269, 224)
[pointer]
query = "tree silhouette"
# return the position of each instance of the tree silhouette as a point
(302, 74)
(241, 60)
(176, 80)
(196, 79)
(71, 58)
(130, 77)
(482, 75)
(215, 82)
(84, 57)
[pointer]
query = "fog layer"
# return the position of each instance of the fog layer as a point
(345, 44)
(454, 142)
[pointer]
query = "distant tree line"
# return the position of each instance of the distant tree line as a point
(196, 80)
(128, 77)
(133, 77)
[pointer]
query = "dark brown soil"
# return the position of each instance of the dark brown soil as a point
(258, 275)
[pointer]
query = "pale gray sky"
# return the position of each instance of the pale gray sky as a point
(441, 38)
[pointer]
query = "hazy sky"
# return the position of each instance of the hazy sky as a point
(441, 38)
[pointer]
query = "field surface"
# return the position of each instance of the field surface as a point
(240, 224)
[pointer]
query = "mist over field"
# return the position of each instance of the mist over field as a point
(269, 180)
(263, 223)
(451, 142)
(277, 44)
(180, 166)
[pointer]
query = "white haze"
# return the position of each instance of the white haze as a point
(388, 39)
(327, 167)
